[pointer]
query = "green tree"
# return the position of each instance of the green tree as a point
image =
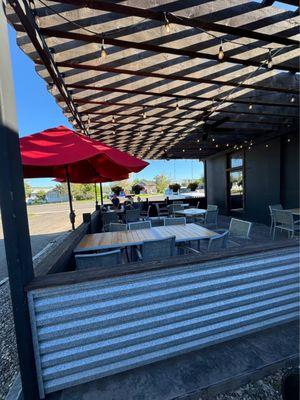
(161, 182)
(28, 189)
(40, 195)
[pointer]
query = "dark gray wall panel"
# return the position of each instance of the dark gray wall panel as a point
(290, 172)
(262, 171)
(216, 182)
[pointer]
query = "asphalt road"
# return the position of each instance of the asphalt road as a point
(46, 222)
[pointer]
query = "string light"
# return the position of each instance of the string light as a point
(292, 99)
(289, 140)
(200, 148)
(167, 23)
(113, 119)
(103, 53)
(177, 106)
(250, 106)
(144, 113)
(267, 145)
(183, 150)
(221, 52)
(213, 139)
(270, 60)
(227, 144)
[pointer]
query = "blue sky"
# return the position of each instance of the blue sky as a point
(37, 111)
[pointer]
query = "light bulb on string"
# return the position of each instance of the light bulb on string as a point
(292, 99)
(250, 106)
(144, 113)
(177, 106)
(167, 23)
(103, 53)
(270, 60)
(221, 53)
(37, 19)
(113, 119)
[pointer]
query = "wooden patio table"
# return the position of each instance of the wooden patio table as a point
(109, 240)
(191, 212)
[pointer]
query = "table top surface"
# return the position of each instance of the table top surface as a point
(191, 211)
(109, 240)
(295, 211)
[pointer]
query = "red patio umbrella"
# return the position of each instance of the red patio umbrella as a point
(72, 157)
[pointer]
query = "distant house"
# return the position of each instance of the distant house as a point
(150, 187)
(54, 196)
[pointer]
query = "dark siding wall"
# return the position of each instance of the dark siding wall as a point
(216, 182)
(262, 180)
(290, 172)
(271, 177)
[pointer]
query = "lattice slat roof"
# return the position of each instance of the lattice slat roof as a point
(158, 94)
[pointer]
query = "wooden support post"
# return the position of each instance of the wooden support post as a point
(101, 194)
(14, 219)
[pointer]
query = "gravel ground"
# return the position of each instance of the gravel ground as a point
(8, 347)
(268, 388)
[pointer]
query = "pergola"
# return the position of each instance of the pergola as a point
(167, 79)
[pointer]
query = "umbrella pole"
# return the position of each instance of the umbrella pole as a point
(72, 213)
(101, 193)
(96, 197)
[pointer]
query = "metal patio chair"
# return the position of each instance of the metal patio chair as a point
(156, 249)
(117, 227)
(271, 209)
(175, 221)
(172, 208)
(215, 243)
(210, 218)
(132, 215)
(139, 225)
(239, 228)
(284, 220)
(107, 259)
(108, 218)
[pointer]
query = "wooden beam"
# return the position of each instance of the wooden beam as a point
(127, 44)
(175, 96)
(162, 106)
(184, 21)
(140, 73)
(26, 17)
(161, 118)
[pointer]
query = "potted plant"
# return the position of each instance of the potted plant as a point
(117, 190)
(193, 186)
(137, 188)
(175, 187)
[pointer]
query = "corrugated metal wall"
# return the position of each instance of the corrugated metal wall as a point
(90, 330)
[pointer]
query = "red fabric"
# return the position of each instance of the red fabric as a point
(46, 154)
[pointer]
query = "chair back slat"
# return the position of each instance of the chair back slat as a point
(115, 227)
(211, 217)
(175, 221)
(109, 217)
(284, 217)
(132, 215)
(240, 228)
(157, 249)
(107, 259)
(139, 225)
(275, 207)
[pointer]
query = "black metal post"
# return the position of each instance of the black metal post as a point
(72, 213)
(96, 197)
(101, 194)
(18, 253)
